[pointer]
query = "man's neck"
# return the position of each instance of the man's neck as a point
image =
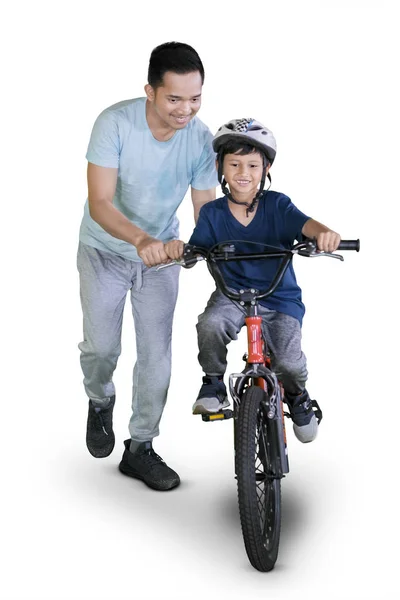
(160, 130)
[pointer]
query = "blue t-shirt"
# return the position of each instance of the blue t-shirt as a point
(153, 176)
(278, 223)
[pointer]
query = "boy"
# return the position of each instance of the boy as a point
(245, 152)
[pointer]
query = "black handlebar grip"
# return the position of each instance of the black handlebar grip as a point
(350, 245)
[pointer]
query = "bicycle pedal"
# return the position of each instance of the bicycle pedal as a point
(219, 416)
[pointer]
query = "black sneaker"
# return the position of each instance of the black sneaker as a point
(212, 396)
(100, 437)
(305, 418)
(146, 465)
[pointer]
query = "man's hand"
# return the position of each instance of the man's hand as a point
(174, 249)
(151, 251)
(328, 241)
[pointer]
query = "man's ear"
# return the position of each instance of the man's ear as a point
(150, 93)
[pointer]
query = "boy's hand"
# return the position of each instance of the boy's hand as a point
(328, 241)
(174, 249)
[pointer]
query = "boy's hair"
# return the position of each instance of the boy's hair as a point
(239, 147)
(176, 57)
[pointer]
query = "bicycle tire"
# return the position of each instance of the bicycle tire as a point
(261, 530)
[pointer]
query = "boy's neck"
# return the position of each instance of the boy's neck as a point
(240, 210)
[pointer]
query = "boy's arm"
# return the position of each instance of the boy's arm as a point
(327, 240)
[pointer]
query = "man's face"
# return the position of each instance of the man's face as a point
(177, 101)
(243, 173)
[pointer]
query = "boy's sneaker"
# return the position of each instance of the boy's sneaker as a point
(100, 437)
(146, 465)
(212, 396)
(301, 409)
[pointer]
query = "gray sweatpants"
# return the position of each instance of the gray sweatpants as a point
(105, 280)
(223, 319)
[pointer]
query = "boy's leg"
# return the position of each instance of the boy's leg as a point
(219, 324)
(283, 335)
(104, 282)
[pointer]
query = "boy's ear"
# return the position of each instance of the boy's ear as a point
(149, 92)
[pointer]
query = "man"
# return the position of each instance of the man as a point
(143, 155)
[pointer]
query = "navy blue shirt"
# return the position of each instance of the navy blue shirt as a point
(278, 223)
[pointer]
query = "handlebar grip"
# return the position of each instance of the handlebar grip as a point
(350, 245)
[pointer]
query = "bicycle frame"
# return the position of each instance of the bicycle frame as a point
(258, 372)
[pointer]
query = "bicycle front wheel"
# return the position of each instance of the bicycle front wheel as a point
(259, 488)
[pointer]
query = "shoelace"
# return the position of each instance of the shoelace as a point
(102, 422)
(151, 458)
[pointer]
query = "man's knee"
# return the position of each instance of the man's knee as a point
(100, 351)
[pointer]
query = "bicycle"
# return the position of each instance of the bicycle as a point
(261, 455)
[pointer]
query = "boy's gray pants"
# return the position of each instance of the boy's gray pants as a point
(221, 322)
(105, 280)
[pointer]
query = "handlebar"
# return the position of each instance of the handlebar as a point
(223, 252)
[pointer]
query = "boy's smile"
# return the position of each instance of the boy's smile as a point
(243, 174)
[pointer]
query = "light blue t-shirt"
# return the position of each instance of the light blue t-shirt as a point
(153, 176)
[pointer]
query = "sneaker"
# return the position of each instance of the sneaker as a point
(146, 465)
(212, 396)
(100, 437)
(301, 409)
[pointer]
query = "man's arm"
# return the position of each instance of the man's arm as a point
(102, 182)
(327, 240)
(201, 197)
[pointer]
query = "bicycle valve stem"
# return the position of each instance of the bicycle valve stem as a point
(256, 354)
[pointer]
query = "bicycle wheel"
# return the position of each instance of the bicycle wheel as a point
(259, 491)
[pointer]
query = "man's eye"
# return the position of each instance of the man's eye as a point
(173, 100)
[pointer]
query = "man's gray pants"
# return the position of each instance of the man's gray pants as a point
(105, 280)
(221, 322)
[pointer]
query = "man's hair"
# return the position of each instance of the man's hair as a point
(239, 147)
(176, 57)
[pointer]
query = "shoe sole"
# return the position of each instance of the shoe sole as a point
(309, 436)
(135, 475)
(203, 410)
(100, 453)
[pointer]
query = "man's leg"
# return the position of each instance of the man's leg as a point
(105, 280)
(154, 295)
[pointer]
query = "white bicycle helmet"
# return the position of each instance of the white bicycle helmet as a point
(250, 131)
(255, 134)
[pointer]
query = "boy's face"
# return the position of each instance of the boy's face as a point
(177, 101)
(243, 173)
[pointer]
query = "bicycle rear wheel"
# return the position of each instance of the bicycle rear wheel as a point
(259, 490)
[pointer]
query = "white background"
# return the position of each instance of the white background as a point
(324, 77)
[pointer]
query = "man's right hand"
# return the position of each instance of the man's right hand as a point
(151, 251)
